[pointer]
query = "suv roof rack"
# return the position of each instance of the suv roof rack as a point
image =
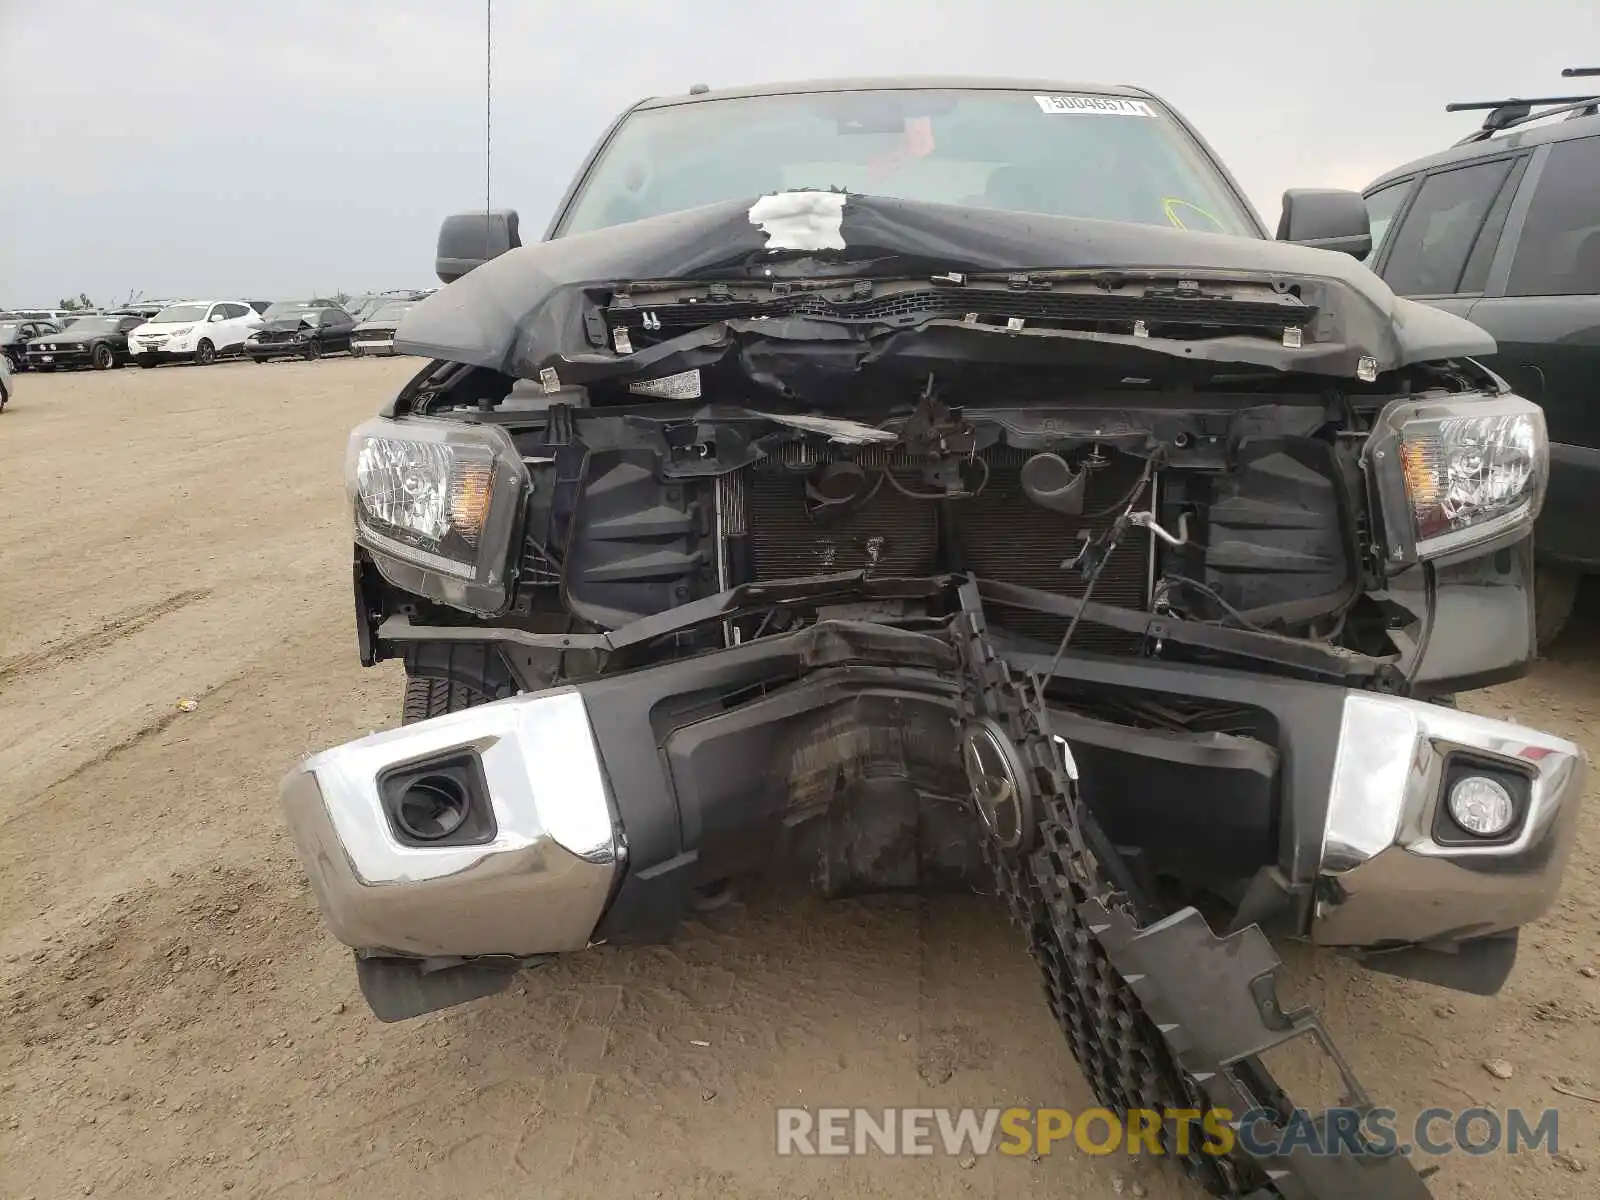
(1506, 114)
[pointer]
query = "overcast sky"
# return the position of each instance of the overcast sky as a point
(203, 147)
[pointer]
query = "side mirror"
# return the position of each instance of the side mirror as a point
(1327, 218)
(469, 240)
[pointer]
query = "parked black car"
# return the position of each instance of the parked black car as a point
(15, 333)
(375, 334)
(300, 329)
(1504, 228)
(948, 481)
(100, 342)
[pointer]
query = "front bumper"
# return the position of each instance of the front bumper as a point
(1394, 869)
(533, 878)
(276, 349)
(161, 354)
(380, 347)
(69, 356)
(708, 762)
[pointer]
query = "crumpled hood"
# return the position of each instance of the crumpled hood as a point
(279, 324)
(526, 310)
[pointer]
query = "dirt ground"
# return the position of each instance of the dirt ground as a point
(175, 1022)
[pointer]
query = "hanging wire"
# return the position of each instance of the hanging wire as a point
(1112, 537)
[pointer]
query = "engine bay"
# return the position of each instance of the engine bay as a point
(1243, 514)
(1228, 518)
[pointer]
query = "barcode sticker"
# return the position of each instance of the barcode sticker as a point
(1111, 106)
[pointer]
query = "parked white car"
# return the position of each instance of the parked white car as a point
(6, 382)
(197, 331)
(56, 316)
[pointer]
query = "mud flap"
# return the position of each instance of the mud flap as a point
(397, 989)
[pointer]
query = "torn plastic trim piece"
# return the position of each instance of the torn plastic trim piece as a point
(1229, 1015)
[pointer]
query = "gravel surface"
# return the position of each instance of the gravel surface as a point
(175, 631)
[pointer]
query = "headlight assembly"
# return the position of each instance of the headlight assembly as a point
(1457, 474)
(438, 503)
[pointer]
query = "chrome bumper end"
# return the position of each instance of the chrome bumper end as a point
(1395, 870)
(528, 872)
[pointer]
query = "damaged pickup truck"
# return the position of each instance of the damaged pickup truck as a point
(945, 482)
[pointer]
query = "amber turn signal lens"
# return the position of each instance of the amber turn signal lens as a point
(471, 486)
(1422, 486)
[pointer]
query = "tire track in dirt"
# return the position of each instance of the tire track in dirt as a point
(85, 708)
(68, 649)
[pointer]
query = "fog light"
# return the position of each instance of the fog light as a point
(1482, 806)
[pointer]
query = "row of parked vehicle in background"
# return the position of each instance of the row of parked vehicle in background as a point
(202, 331)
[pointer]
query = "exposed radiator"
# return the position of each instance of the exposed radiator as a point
(891, 534)
(999, 534)
(1003, 535)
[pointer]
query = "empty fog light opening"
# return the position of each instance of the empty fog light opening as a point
(439, 801)
(432, 808)
(1482, 806)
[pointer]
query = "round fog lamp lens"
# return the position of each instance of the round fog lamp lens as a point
(1482, 806)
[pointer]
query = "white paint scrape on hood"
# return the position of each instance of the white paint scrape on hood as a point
(801, 220)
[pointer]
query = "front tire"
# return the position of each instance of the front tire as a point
(434, 697)
(205, 353)
(313, 351)
(103, 358)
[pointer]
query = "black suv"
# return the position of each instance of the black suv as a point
(1504, 228)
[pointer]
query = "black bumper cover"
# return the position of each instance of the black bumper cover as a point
(747, 743)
